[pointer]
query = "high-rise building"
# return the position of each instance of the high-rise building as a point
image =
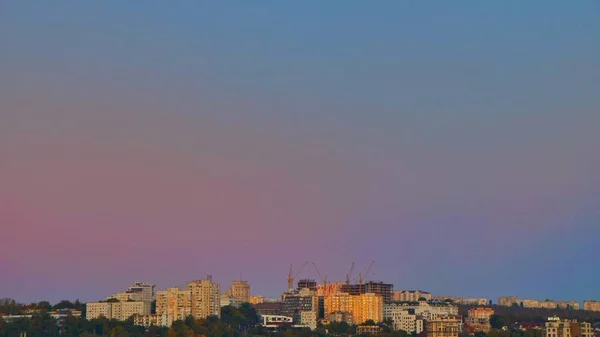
(444, 326)
(175, 303)
(206, 300)
(385, 290)
(362, 307)
(294, 303)
(142, 291)
(240, 290)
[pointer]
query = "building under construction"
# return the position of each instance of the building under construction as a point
(385, 290)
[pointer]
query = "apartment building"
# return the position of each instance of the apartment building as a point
(403, 319)
(554, 327)
(205, 298)
(426, 309)
(117, 310)
(175, 303)
(362, 307)
(138, 291)
(411, 295)
(591, 305)
(478, 319)
(153, 320)
(444, 326)
(240, 290)
(309, 319)
(529, 303)
(296, 302)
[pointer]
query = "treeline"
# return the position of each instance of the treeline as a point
(507, 316)
(8, 306)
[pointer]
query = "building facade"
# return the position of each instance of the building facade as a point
(478, 319)
(240, 290)
(205, 298)
(591, 305)
(175, 303)
(362, 307)
(447, 326)
(117, 310)
(410, 295)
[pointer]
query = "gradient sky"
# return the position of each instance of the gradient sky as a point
(456, 143)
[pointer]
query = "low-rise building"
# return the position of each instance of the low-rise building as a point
(444, 326)
(402, 318)
(591, 305)
(368, 329)
(117, 310)
(153, 320)
(478, 319)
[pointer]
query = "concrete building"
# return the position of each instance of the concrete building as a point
(478, 319)
(206, 300)
(403, 319)
(340, 316)
(240, 290)
(153, 320)
(296, 302)
(426, 309)
(368, 330)
(591, 305)
(554, 327)
(529, 303)
(385, 290)
(309, 319)
(117, 310)
(227, 299)
(410, 295)
(444, 326)
(138, 291)
(175, 303)
(362, 307)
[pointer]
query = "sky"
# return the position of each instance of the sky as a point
(454, 143)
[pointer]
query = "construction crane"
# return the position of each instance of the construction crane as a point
(349, 275)
(363, 276)
(292, 277)
(323, 278)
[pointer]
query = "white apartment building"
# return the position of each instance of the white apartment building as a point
(117, 310)
(403, 319)
(411, 295)
(427, 309)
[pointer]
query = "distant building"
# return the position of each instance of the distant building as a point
(362, 307)
(294, 303)
(446, 326)
(591, 305)
(410, 295)
(175, 303)
(153, 320)
(368, 329)
(478, 319)
(554, 327)
(340, 316)
(269, 308)
(427, 309)
(309, 319)
(227, 299)
(240, 290)
(138, 291)
(402, 318)
(205, 296)
(385, 290)
(117, 310)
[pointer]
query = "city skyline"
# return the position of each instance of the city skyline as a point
(456, 144)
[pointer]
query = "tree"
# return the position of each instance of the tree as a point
(64, 304)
